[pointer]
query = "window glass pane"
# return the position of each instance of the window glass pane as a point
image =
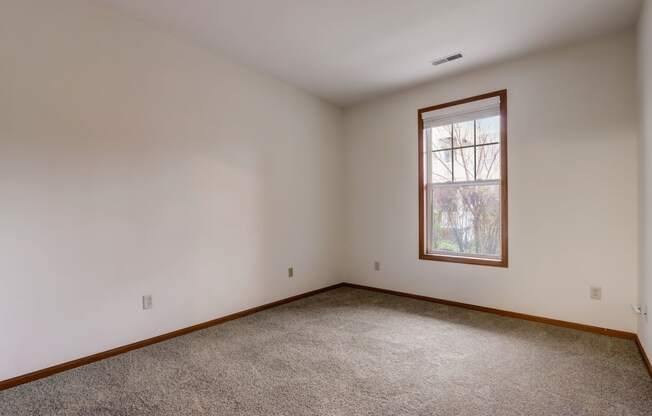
(442, 166)
(488, 130)
(441, 137)
(465, 220)
(464, 160)
(488, 162)
(463, 134)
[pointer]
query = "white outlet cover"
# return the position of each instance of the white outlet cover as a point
(147, 302)
(596, 292)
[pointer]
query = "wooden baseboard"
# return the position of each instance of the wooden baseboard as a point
(36, 375)
(646, 360)
(549, 321)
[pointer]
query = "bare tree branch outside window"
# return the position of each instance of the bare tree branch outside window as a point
(465, 188)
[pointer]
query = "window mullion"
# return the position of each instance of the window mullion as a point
(475, 151)
(452, 155)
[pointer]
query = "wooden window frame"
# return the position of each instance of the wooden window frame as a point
(455, 258)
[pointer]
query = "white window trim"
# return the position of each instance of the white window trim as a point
(497, 101)
(475, 110)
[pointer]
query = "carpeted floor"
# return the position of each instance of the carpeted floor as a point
(354, 352)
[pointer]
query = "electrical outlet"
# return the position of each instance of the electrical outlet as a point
(290, 272)
(377, 266)
(147, 302)
(596, 292)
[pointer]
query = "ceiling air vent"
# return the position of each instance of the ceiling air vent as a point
(449, 58)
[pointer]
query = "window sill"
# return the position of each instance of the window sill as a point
(465, 260)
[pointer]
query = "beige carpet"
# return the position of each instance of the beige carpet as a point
(353, 352)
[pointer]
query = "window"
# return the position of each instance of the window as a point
(463, 181)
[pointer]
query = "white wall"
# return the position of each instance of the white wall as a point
(572, 124)
(132, 163)
(645, 95)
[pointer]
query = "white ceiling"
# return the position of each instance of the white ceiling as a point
(347, 51)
